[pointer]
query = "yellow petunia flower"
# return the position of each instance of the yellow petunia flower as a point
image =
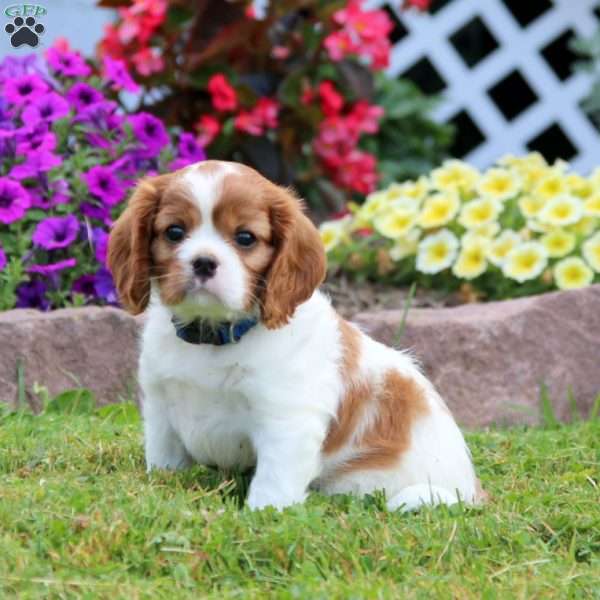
(405, 245)
(416, 190)
(572, 273)
(561, 210)
(489, 230)
(502, 245)
(437, 252)
(531, 205)
(558, 243)
(396, 221)
(526, 261)
(533, 159)
(579, 186)
(333, 232)
(591, 205)
(479, 213)
(439, 209)
(585, 226)
(455, 175)
(471, 261)
(373, 204)
(591, 251)
(499, 184)
(552, 185)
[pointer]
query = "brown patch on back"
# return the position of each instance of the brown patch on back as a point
(356, 395)
(399, 404)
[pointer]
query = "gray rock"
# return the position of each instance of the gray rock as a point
(90, 347)
(489, 360)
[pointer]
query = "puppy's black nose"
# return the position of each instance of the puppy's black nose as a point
(205, 267)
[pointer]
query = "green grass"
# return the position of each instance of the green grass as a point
(79, 518)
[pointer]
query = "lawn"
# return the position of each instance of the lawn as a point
(79, 517)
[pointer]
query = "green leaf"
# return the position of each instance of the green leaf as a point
(122, 413)
(78, 401)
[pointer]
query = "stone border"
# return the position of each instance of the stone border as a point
(487, 360)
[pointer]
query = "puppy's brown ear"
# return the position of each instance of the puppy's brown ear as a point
(129, 247)
(299, 265)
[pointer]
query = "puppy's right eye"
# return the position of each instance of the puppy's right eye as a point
(175, 233)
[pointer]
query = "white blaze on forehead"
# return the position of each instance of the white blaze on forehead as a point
(206, 185)
(230, 282)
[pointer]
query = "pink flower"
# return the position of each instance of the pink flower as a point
(67, 63)
(280, 52)
(331, 100)
(363, 32)
(148, 61)
(208, 129)
(249, 122)
(223, 94)
(339, 44)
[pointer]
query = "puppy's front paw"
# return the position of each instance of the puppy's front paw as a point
(259, 499)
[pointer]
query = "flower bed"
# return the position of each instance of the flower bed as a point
(298, 93)
(69, 154)
(522, 227)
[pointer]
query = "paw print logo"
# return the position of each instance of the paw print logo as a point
(24, 31)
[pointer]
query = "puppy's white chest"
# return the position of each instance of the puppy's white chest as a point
(214, 424)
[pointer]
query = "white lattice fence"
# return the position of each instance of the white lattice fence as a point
(503, 68)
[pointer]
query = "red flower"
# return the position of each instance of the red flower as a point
(208, 129)
(148, 61)
(418, 4)
(331, 101)
(261, 117)
(249, 122)
(267, 110)
(365, 117)
(280, 52)
(308, 95)
(359, 172)
(223, 94)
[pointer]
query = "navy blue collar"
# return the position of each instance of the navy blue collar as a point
(202, 331)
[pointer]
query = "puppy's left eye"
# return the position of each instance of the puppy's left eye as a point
(245, 238)
(175, 233)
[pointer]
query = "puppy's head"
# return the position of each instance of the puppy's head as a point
(216, 240)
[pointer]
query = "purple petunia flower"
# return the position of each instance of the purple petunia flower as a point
(189, 152)
(40, 162)
(82, 95)
(92, 211)
(49, 107)
(103, 184)
(105, 287)
(67, 63)
(32, 294)
(35, 138)
(85, 285)
(3, 259)
(52, 268)
(24, 89)
(150, 132)
(100, 244)
(116, 72)
(48, 195)
(12, 67)
(56, 232)
(14, 201)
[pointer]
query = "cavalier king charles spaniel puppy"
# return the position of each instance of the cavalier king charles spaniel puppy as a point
(244, 362)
